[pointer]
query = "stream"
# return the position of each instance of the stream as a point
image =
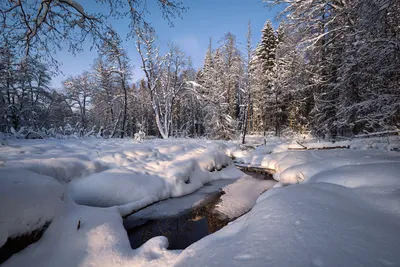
(187, 227)
(182, 230)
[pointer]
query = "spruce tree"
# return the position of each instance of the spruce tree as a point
(266, 56)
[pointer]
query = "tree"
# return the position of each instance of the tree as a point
(78, 91)
(266, 60)
(105, 101)
(119, 69)
(248, 81)
(218, 122)
(231, 72)
(349, 51)
(163, 77)
(45, 26)
(24, 90)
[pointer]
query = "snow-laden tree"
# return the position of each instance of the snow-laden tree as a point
(369, 76)
(163, 77)
(248, 79)
(265, 60)
(105, 101)
(232, 71)
(218, 122)
(78, 91)
(292, 80)
(187, 114)
(350, 53)
(119, 69)
(24, 90)
(206, 74)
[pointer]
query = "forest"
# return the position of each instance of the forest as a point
(331, 69)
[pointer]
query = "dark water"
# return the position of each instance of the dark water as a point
(184, 230)
(181, 231)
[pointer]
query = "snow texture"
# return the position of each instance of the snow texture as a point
(241, 196)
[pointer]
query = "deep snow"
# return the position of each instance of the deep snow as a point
(329, 207)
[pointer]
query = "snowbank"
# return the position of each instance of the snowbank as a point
(27, 201)
(153, 172)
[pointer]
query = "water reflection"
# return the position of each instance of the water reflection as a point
(181, 231)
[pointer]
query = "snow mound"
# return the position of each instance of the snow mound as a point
(27, 201)
(378, 183)
(147, 174)
(319, 161)
(241, 196)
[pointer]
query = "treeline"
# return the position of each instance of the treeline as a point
(331, 68)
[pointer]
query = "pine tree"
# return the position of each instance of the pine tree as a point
(217, 121)
(265, 57)
(206, 76)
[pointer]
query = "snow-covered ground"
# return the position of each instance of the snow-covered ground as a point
(37, 174)
(335, 207)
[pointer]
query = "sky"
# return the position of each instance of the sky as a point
(202, 20)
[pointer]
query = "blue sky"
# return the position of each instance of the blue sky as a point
(203, 19)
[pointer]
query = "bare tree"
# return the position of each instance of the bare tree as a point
(78, 91)
(45, 26)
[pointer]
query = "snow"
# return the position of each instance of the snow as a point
(102, 173)
(100, 241)
(338, 207)
(302, 225)
(27, 201)
(158, 172)
(293, 168)
(241, 196)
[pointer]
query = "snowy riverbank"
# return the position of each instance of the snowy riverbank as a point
(329, 207)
